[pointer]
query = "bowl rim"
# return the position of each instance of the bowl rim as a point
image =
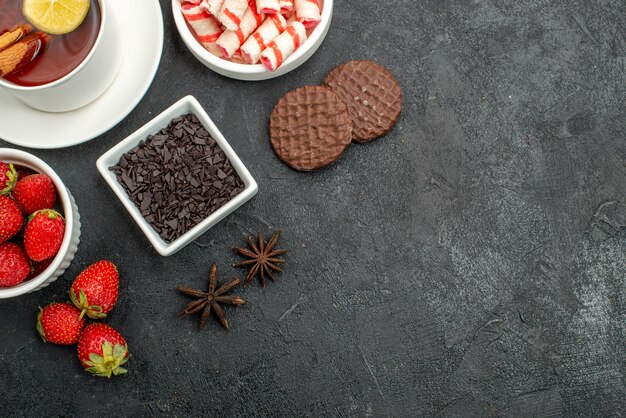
(108, 159)
(248, 69)
(35, 163)
(75, 71)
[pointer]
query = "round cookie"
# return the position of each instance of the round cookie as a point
(310, 128)
(372, 94)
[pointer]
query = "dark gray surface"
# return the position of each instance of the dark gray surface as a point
(471, 263)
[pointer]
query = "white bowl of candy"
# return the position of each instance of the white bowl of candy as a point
(252, 39)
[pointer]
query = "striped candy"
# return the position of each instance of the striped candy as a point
(230, 41)
(283, 46)
(232, 12)
(268, 7)
(213, 6)
(207, 28)
(286, 6)
(272, 27)
(308, 12)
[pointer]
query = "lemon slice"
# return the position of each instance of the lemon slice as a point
(56, 17)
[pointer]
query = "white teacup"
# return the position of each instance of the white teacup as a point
(86, 82)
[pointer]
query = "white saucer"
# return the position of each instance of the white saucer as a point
(27, 127)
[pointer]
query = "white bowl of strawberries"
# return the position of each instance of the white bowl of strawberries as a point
(39, 224)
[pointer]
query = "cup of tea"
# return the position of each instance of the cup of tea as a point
(68, 71)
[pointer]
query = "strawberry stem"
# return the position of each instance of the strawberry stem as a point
(82, 303)
(11, 180)
(110, 362)
(40, 326)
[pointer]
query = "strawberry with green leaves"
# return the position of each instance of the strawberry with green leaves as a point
(95, 290)
(14, 265)
(102, 350)
(43, 235)
(11, 219)
(35, 192)
(60, 323)
(8, 177)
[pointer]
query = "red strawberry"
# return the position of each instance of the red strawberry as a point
(23, 171)
(11, 219)
(95, 289)
(35, 192)
(44, 234)
(39, 267)
(60, 323)
(8, 177)
(102, 350)
(14, 265)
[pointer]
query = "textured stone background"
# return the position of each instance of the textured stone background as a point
(471, 263)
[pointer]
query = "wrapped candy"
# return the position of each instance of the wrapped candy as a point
(291, 18)
(268, 7)
(230, 41)
(232, 12)
(273, 26)
(286, 7)
(283, 46)
(236, 57)
(213, 6)
(308, 12)
(207, 27)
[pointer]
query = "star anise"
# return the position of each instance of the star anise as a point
(263, 258)
(211, 299)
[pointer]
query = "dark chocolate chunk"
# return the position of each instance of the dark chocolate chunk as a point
(177, 177)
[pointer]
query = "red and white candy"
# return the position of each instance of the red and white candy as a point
(283, 46)
(252, 30)
(286, 7)
(207, 27)
(232, 12)
(308, 12)
(268, 7)
(213, 6)
(230, 41)
(273, 26)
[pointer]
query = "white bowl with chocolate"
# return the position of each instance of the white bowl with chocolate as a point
(285, 39)
(177, 176)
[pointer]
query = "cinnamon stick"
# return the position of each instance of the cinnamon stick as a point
(9, 38)
(19, 54)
